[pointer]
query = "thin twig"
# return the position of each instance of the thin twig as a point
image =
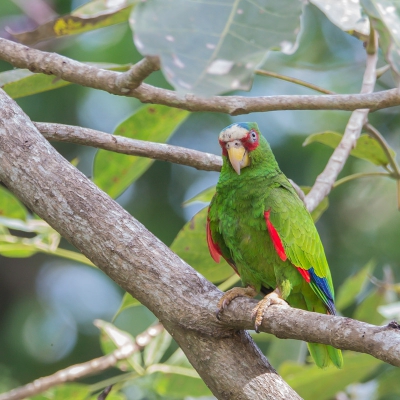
(349, 178)
(120, 144)
(377, 135)
(293, 80)
(87, 75)
(327, 178)
(77, 371)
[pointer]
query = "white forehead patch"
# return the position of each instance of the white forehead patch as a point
(234, 132)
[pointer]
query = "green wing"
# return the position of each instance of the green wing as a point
(300, 239)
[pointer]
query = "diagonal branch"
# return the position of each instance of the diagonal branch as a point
(327, 178)
(86, 75)
(78, 371)
(120, 144)
(226, 359)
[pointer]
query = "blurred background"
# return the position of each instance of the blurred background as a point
(50, 300)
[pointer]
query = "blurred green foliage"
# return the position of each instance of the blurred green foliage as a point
(359, 226)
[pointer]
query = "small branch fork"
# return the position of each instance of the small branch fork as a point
(79, 371)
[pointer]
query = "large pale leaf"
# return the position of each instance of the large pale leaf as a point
(385, 18)
(191, 245)
(367, 148)
(211, 47)
(322, 384)
(22, 82)
(114, 172)
(353, 286)
(346, 14)
(94, 15)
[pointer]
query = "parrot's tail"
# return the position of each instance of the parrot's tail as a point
(323, 355)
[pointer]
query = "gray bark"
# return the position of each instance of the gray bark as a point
(227, 360)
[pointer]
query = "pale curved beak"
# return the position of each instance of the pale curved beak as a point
(238, 155)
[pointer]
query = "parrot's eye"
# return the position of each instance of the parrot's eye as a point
(253, 137)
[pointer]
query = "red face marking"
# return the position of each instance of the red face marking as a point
(251, 140)
(223, 147)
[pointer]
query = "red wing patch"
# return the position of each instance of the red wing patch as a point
(276, 240)
(305, 274)
(213, 247)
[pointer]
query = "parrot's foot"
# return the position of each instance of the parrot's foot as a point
(259, 310)
(231, 294)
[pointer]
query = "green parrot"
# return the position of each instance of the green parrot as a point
(258, 224)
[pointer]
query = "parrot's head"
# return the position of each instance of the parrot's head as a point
(238, 141)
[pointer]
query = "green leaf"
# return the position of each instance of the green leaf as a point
(314, 383)
(113, 395)
(22, 82)
(112, 338)
(17, 250)
(321, 207)
(345, 14)
(94, 15)
(127, 301)
(353, 286)
(191, 245)
(280, 351)
(367, 311)
(178, 358)
(385, 18)
(30, 225)
(155, 350)
(76, 391)
(208, 47)
(180, 386)
(367, 148)
(10, 206)
(114, 172)
(174, 383)
(46, 239)
(389, 384)
(203, 197)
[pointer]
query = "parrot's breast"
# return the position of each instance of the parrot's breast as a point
(243, 228)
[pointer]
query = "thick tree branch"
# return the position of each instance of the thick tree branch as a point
(120, 144)
(382, 342)
(88, 368)
(227, 359)
(86, 75)
(327, 178)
